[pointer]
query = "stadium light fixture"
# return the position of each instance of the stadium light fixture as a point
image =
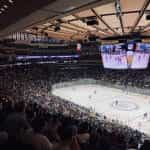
(11, 1)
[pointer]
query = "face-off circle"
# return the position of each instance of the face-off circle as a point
(124, 105)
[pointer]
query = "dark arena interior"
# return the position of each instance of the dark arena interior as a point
(74, 75)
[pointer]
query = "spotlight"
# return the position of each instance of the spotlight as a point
(5, 6)
(2, 9)
(11, 1)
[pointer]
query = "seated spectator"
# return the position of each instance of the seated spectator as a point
(69, 139)
(146, 145)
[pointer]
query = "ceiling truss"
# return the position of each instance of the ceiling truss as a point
(145, 5)
(72, 23)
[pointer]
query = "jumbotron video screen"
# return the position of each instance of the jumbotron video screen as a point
(125, 56)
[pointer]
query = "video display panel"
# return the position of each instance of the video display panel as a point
(141, 47)
(44, 57)
(117, 61)
(147, 47)
(140, 60)
(114, 56)
(126, 56)
(140, 57)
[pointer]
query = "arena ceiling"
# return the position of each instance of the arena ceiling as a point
(70, 17)
(16, 15)
(130, 18)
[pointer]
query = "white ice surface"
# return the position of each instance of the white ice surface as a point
(102, 101)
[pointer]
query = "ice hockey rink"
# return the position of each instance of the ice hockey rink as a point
(128, 108)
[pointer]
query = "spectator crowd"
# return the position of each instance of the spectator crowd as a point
(31, 118)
